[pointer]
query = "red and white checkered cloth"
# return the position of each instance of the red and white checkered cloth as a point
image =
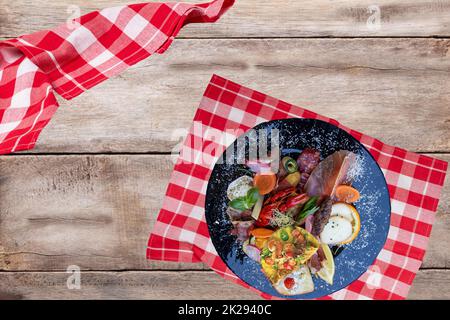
(79, 55)
(181, 233)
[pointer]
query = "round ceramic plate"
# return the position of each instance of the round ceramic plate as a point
(351, 260)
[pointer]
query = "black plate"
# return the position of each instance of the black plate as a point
(374, 206)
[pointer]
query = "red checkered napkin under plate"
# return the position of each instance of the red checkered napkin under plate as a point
(181, 233)
(80, 54)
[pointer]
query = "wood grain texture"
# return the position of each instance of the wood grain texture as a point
(393, 89)
(256, 18)
(199, 285)
(97, 212)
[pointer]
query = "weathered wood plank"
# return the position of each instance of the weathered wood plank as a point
(97, 212)
(254, 18)
(431, 284)
(199, 285)
(395, 90)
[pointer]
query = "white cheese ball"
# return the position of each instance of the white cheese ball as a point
(337, 230)
(239, 187)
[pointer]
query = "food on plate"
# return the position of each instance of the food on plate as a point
(262, 233)
(298, 282)
(346, 193)
(247, 201)
(252, 251)
(336, 231)
(239, 187)
(327, 268)
(352, 219)
(265, 182)
(286, 251)
(307, 161)
(289, 165)
(330, 173)
(287, 221)
(238, 215)
(291, 180)
(258, 206)
(242, 229)
(322, 216)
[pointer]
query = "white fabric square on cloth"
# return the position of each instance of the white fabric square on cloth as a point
(135, 26)
(81, 38)
(21, 99)
(101, 58)
(112, 13)
(237, 115)
(26, 66)
(404, 182)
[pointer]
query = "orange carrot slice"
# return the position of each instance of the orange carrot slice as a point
(261, 232)
(265, 182)
(347, 194)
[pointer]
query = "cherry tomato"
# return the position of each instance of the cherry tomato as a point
(287, 266)
(289, 283)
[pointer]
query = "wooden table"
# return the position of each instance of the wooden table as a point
(88, 194)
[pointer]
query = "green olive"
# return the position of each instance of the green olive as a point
(289, 164)
(284, 235)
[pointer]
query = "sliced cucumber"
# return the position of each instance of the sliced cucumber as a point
(257, 208)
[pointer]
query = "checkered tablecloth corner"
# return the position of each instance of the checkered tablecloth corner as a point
(80, 54)
(414, 182)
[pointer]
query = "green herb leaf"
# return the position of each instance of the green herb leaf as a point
(308, 209)
(239, 204)
(311, 203)
(247, 202)
(252, 196)
(309, 212)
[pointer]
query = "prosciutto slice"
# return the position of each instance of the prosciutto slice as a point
(242, 223)
(242, 229)
(330, 173)
(236, 215)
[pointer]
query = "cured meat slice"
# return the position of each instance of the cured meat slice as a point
(331, 172)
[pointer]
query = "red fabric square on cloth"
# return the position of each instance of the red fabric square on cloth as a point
(181, 233)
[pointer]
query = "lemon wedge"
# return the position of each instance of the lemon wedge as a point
(327, 271)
